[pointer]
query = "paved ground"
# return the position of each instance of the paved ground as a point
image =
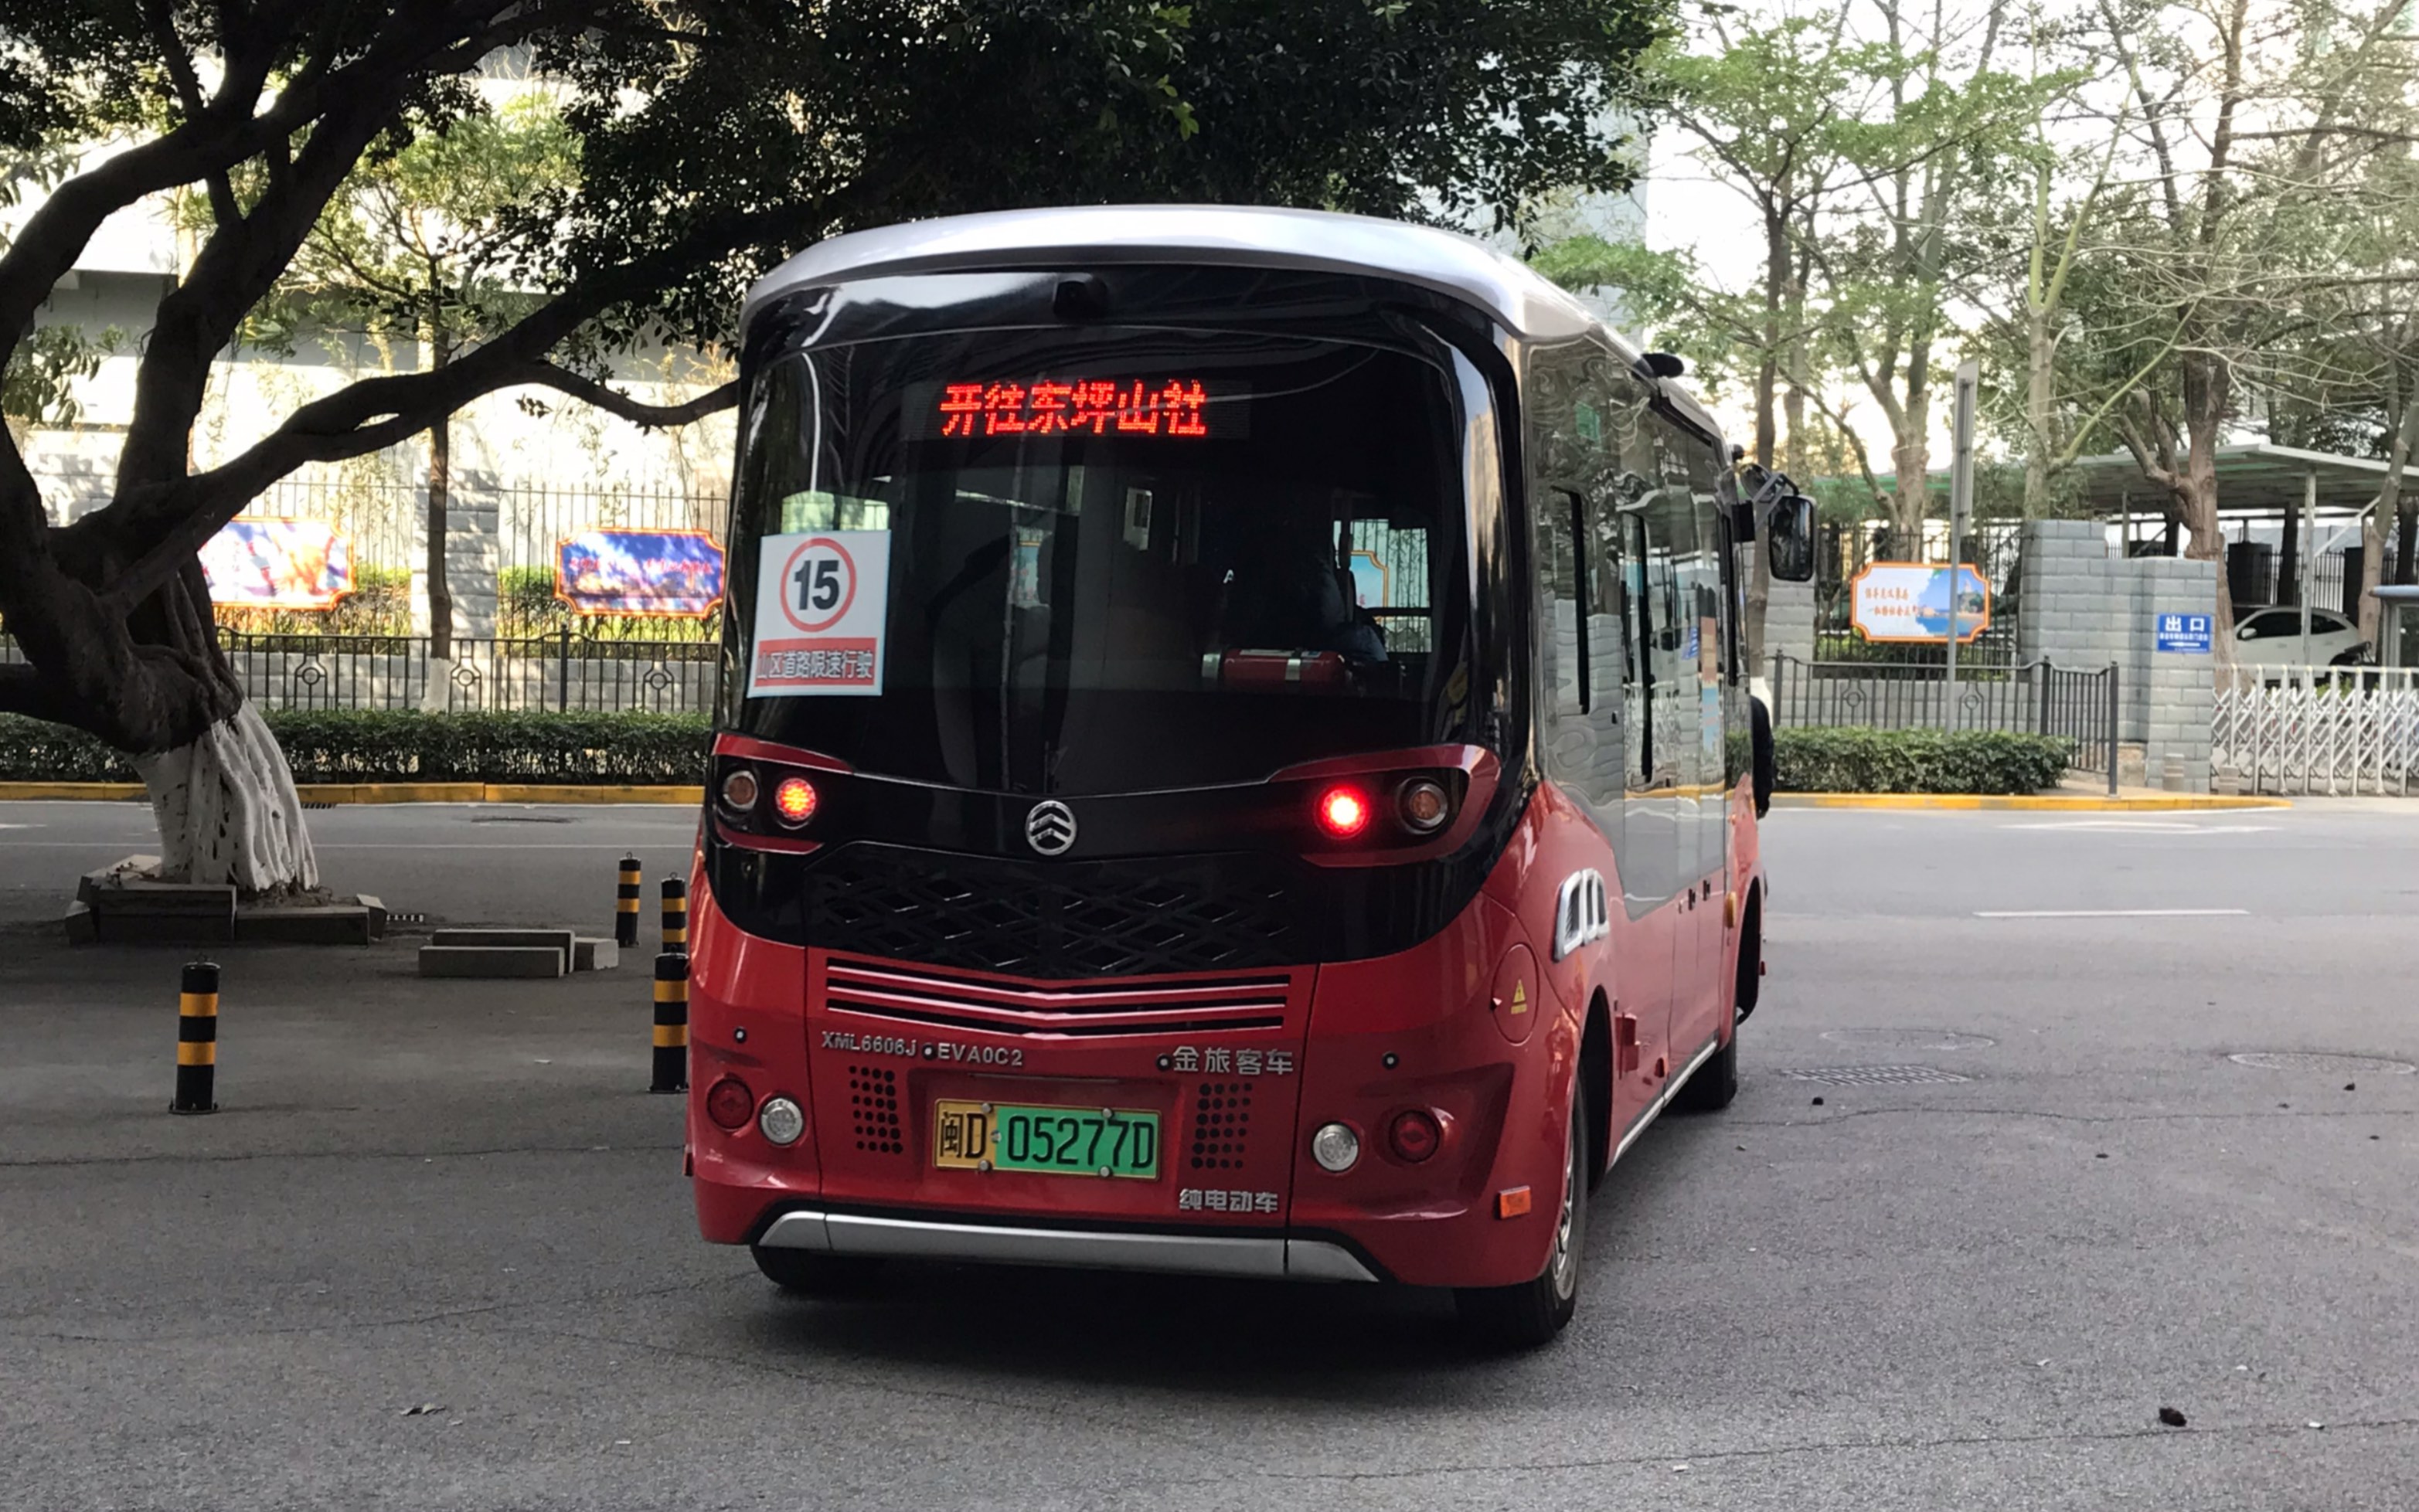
(1922, 1295)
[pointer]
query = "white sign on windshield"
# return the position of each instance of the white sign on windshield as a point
(822, 600)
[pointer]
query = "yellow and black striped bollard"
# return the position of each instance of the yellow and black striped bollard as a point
(672, 1023)
(197, 1038)
(675, 914)
(625, 904)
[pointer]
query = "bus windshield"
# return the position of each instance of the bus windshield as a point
(1115, 559)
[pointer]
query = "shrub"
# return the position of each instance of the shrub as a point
(397, 745)
(1917, 761)
(525, 607)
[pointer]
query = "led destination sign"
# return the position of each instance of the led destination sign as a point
(1176, 409)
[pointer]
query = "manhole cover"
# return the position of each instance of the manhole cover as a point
(1875, 1076)
(520, 818)
(1909, 1039)
(2332, 1064)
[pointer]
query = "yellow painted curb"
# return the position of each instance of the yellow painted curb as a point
(28, 790)
(2153, 804)
(390, 792)
(509, 792)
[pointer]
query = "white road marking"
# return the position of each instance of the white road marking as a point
(2140, 826)
(2110, 913)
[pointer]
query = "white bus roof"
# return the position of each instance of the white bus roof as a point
(1235, 236)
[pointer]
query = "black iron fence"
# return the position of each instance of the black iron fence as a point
(2034, 698)
(562, 671)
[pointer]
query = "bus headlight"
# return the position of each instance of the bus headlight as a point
(1335, 1147)
(1424, 805)
(781, 1120)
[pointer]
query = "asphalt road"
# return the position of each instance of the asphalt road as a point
(2038, 1202)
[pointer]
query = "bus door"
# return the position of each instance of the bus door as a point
(1682, 511)
(1591, 661)
(1656, 820)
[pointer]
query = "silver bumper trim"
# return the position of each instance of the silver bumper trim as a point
(845, 1233)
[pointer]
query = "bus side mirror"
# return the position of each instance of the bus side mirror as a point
(1789, 536)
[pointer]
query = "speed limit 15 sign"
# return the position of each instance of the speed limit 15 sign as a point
(821, 601)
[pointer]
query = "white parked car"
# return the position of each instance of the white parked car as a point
(2273, 637)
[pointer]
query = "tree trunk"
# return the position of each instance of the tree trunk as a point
(2039, 396)
(440, 593)
(2289, 554)
(1767, 369)
(1911, 492)
(2207, 387)
(228, 811)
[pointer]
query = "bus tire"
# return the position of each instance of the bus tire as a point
(806, 1273)
(1714, 1084)
(1502, 1318)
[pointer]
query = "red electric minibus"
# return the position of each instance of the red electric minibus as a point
(1235, 758)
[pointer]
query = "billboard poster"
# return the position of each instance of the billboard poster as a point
(1909, 602)
(672, 574)
(278, 564)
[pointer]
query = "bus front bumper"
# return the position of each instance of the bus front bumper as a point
(1265, 1257)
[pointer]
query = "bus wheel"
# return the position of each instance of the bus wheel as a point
(808, 1273)
(1522, 1316)
(1714, 1084)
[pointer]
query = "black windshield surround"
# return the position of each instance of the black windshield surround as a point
(1038, 712)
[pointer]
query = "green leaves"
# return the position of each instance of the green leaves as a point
(393, 745)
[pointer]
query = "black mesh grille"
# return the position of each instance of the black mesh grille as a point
(1222, 1124)
(1101, 919)
(873, 1110)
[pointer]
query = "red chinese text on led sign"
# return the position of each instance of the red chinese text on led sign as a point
(1177, 407)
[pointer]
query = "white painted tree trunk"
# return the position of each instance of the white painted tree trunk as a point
(228, 811)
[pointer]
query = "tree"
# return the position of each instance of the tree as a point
(1924, 169)
(714, 136)
(2252, 127)
(1759, 102)
(421, 242)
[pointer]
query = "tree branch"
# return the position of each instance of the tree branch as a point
(614, 401)
(180, 516)
(189, 91)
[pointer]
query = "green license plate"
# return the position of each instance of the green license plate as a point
(1062, 1141)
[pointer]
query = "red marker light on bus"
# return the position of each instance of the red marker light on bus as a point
(1415, 1136)
(1343, 812)
(794, 801)
(729, 1103)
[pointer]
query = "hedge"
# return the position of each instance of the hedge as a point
(394, 745)
(1916, 761)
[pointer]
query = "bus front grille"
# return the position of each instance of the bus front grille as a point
(1056, 921)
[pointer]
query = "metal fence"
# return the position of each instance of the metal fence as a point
(2034, 698)
(2316, 729)
(1843, 550)
(563, 672)
(384, 518)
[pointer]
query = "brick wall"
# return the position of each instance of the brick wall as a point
(2081, 607)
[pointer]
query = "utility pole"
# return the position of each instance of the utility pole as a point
(1960, 504)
